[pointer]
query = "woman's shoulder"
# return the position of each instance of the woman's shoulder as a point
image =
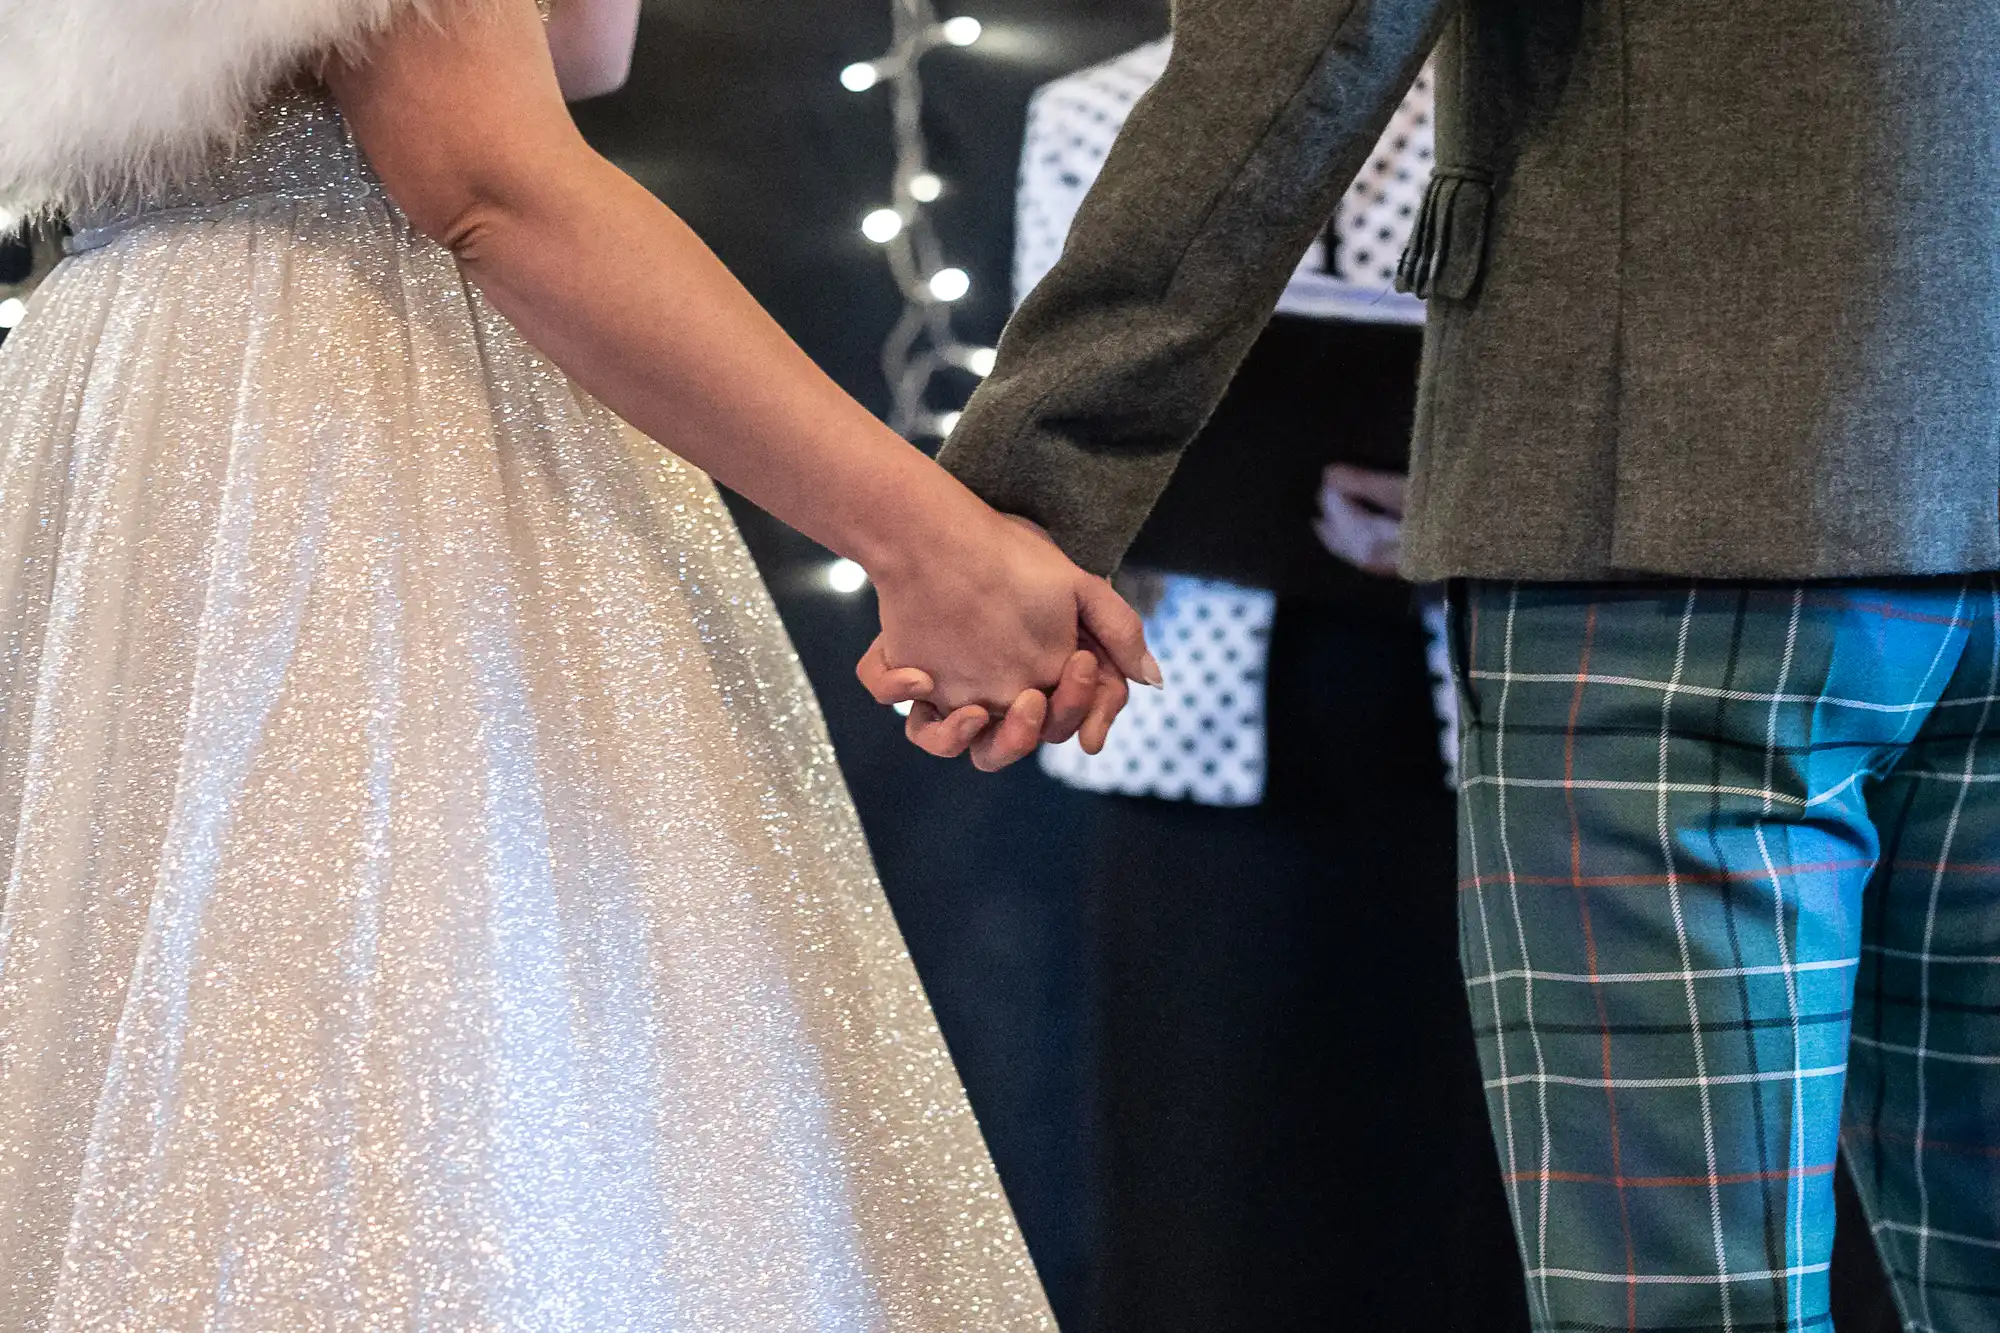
(96, 95)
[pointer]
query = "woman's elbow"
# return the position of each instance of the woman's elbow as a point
(470, 194)
(462, 220)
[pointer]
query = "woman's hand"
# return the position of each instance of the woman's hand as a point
(998, 624)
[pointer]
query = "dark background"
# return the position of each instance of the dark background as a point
(735, 116)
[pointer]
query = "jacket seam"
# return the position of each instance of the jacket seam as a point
(1033, 412)
(1308, 80)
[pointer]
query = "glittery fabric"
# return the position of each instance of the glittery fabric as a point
(431, 901)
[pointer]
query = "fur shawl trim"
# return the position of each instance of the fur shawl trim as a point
(99, 95)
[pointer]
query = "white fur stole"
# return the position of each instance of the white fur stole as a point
(96, 95)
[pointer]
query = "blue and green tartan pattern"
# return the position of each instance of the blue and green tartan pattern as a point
(1731, 863)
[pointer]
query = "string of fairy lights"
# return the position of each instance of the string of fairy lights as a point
(922, 345)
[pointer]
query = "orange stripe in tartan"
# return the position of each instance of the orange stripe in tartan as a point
(1673, 1182)
(1708, 877)
(1572, 881)
(1590, 956)
(1886, 610)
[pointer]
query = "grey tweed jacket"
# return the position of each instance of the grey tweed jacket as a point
(1714, 284)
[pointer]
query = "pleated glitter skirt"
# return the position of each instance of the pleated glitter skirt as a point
(431, 900)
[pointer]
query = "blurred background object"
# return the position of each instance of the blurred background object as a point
(27, 252)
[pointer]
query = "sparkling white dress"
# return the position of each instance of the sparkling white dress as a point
(431, 902)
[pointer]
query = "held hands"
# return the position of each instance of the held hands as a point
(1017, 646)
(1020, 647)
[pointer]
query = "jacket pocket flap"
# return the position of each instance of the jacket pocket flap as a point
(1447, 250)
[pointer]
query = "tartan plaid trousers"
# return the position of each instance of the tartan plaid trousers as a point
(1730, 905)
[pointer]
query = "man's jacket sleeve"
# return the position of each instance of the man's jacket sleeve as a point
(1225, 172)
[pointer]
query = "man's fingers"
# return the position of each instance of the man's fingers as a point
(1118, 629)
(947, 737)
(1015, 737)
(901, 686)
(1110, 699)
(923, 727)
(1070, 703)
(887, 684)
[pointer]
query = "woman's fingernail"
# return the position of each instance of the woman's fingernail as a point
(1149, 673)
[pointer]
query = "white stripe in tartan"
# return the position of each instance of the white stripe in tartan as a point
(1699, 691)
(1924, 969)
(1708, 789)
(1937, 657)
(1466, 737)
(1913, 721)
(1606, 784)
(1684, 1279)
(1686, 946)
(1796, 1204)
(1771, 719)
(1964, 779)
(1738, 696)
(1920, 956)
(1521, 946)
(1703, 1081)
(1924, 1053)
(1836, 791)
(1700, 974)
(1952, 1237)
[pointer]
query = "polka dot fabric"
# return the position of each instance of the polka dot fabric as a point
(1379, 211)
(1071, 125)
(1073, 122)
(1202, 738)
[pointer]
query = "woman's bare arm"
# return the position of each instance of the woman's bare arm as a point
(590, 43)
(464, 120)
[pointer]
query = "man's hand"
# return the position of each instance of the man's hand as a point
(1089, 697)
(1082, 699)
(1083, 704)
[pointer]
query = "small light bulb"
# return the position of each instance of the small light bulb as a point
(845, 576)
(949, 284)
(860, 77)
(963, 31)
(882, 226)
(948, 422)
(980, 361)
(12, 311)
(925, 187)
